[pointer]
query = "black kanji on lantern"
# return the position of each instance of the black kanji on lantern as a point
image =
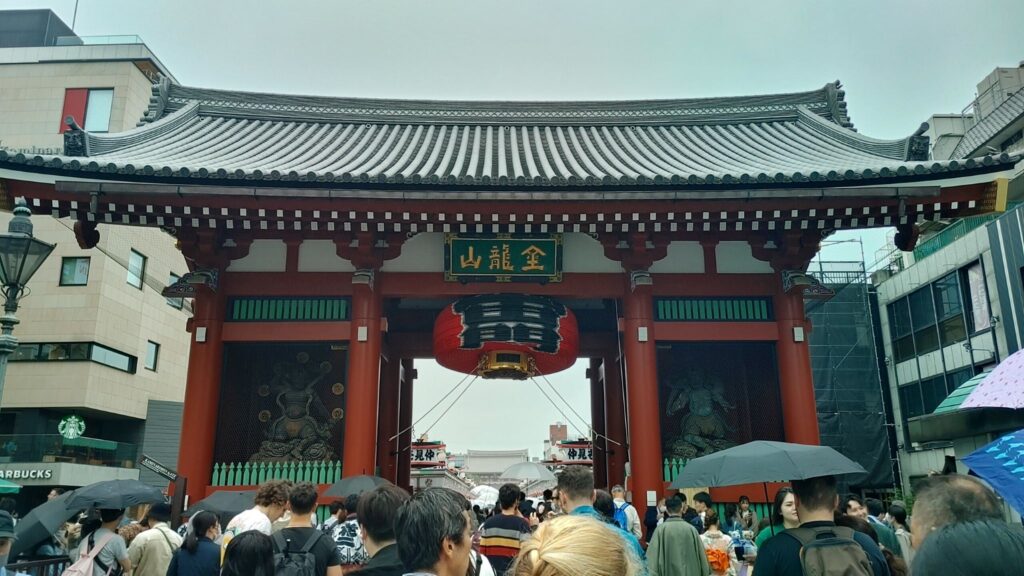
(529, 320)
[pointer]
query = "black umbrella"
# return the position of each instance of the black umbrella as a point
(764, 461)
(354, 485)
(114, 494)
(224, 503)
(41, 523)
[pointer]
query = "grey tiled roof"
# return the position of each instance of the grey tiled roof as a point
(1005, 114)
(197, 134)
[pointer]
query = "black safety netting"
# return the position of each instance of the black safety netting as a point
(846, 373)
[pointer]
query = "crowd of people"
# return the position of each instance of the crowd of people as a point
(956, 528)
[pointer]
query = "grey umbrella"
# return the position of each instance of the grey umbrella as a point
(764, 461)
(114, 494)
(41, 523)
(354, 485)
(532, 471)
(224, 503)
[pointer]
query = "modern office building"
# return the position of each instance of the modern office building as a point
(98, 342)
(954, 307)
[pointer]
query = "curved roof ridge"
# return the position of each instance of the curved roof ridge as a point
(100, 144)
(826, 101)
(913, 147)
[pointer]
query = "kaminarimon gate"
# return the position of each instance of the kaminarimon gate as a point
(332, 241)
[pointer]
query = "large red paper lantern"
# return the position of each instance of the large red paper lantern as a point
(506, 336)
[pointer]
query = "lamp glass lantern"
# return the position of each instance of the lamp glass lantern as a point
(21, 254)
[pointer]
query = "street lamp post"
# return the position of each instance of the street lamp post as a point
(20, 256)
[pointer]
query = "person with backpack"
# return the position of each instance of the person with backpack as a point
(102, 551)
(300, 549)
(198, 555)
(819, 547)
(626, 515)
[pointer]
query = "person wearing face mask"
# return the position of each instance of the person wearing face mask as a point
(198, 555)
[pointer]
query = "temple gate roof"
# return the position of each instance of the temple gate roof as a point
(202, 136)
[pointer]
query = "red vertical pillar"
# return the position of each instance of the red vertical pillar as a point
(359, 456)
(799, 411)
(615, 420)
(387, 418)
(642, 394)
(202, 393)
(404, 460)
(597, 422)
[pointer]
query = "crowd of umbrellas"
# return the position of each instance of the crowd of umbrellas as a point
(44, 520)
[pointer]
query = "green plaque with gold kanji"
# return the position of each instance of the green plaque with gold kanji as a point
(503, 258)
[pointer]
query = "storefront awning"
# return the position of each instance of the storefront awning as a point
(949, 421)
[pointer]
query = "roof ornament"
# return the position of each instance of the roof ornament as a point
(76, 139)
(917, 144)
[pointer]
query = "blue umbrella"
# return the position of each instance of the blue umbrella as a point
(1001, 464)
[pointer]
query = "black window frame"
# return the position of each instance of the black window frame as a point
(63, 262)
(901, 330)
(78, 352)
(155, 347)
(142, 276)
(176, 303)
(950, 318)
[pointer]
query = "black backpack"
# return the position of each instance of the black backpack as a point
(290, 563)
(831, 551)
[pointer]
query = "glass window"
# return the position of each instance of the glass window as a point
(903, 348)
(910, 400)
(947, 296)
(108, 357)
(97, 110)
(74, 271)
(136, 269)
(899, 318)
(933, 392)
(953, 330)
(25, 352)
(926, 340)
(152, 353)
(922, 313)
(955, 379)
(175, 302)
(976, 297)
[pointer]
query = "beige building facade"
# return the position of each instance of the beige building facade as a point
(97, 341)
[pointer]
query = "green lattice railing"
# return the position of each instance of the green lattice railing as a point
(714, 309)
(257, 309)
(252, 473)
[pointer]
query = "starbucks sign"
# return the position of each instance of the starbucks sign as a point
(71, 427)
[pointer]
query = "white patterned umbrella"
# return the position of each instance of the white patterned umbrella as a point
(532, 471)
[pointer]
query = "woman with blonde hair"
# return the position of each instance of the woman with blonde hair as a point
(576, 546)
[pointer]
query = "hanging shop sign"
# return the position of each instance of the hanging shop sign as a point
(576, 452)
(428, 455)
(71, 427)
(503, 258)
(506, 336)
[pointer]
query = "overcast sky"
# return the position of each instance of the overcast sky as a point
(900, 62)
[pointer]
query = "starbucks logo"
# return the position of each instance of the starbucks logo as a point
(71, 427)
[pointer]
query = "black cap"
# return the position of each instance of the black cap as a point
(6, 525)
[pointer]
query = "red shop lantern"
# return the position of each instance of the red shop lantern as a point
(506, 336)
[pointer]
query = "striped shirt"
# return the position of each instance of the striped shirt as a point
(500, 539)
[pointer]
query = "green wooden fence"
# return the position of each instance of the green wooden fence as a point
(673, 467)
(252, 473)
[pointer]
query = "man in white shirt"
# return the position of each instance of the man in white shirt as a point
(271, 503)
(633, 525)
